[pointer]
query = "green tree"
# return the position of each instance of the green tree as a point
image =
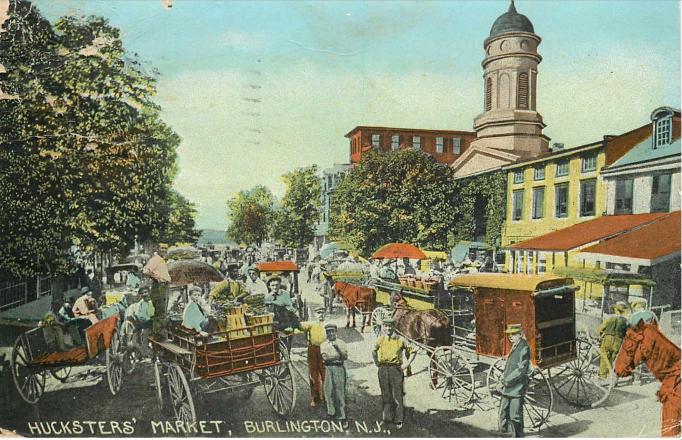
(401, 197)
(180, 227)
(297, 216)
(250, 215)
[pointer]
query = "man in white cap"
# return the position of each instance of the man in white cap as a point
(334, 354)
(316, 370)
(640, 313)
(514, 383)
(86, 306)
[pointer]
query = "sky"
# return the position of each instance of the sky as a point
(257, 89)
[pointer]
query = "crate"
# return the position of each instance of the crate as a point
(261, 324)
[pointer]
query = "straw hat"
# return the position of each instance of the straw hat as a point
(513, 329)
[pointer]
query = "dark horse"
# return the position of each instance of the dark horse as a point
(645, 343)
(430, 328)
(355, 297)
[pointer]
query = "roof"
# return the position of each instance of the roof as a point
(587, 232)
(643, 152)
(556, 154)
(417, 130)
(650, 242)
(505, 281)
(277, 266)
(511, 21)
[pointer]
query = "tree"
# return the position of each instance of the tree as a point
(250, 215)
(180, 227)
(401, 197)
(297, 216)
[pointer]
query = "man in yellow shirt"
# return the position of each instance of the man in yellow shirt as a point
(316, 369)
(388, 353)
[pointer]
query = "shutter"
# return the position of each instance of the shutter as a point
(523, 91)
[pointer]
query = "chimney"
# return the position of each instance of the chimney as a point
(557, 146)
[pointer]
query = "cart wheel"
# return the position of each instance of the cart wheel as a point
(378, 316)
(114, 359)
(29, 382)
(130, 347)
(452, 374)
(61, 374)
(539, 399)
(160, 381)
(578, 381)
(180, 395)
(280, 387)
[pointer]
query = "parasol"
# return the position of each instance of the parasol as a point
(399, 250)
(183, 272)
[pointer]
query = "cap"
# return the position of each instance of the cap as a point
(195, 289)
(232, 266)
(320, 310)
(251, 268)
(513, 329)
(331, 326)
(85, 289)
(389, 321)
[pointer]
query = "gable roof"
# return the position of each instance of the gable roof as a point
(587, 232)
(643, 152)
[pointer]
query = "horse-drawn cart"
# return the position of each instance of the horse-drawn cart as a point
(33, 357)
(227, 361)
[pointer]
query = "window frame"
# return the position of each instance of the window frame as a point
(440, 144)
(533, 213)
(587, 159)
(395, 142)
(567, 187)
(520, 194)
(663, 129)
(583, 184)
(559, 165)
(537, 175)
(457, 145)
(376, 140)
(416, 142)
(516, 174)
(622, 183)
(655, 182)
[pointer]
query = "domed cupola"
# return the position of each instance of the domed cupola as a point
(511, 21)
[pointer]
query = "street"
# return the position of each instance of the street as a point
(83, 406)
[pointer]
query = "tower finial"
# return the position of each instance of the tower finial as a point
(512, 8)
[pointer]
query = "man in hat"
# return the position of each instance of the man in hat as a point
(254, 284)
(640, 313)
(157, 270)
(193, 316)
(612, 331)
(316, 371)
(388, 355)
(334, 355)
(514, 383)
(86, 306)
(231, 289)
(280, 300)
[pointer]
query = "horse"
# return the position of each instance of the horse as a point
(356, 298)
(430, 328)
(645, 343)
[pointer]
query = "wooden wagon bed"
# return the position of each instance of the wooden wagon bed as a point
(76, 355)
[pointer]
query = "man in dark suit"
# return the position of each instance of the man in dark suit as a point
(514, 382)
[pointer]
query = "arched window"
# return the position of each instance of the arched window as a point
(522, 96)
(662, 119)
(489, 94)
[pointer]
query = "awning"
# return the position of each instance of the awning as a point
(601, 276)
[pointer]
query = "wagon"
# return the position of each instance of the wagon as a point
(228, 361)
(32, 358)
(479, 307)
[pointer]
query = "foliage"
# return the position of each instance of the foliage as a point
(481, 206)
(86, 159)
(401, 197)
(250, 215)
(180, 225)
(296, 218)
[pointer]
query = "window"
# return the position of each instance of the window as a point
(562, 169)
(488, 94)
(416, 142)
(439, 145)
(517, 205)
(624, 196)
(542, 263)
(518, 176)
(376, 139)
(539, 173)
(523, 91)
(457, 145)
(538, 202)
(589, 163)
(561, 201)
(395, 142)
(663, 133)
(660, 193)
(587, 197)
(519, 262)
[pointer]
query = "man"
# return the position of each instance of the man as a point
(280, 300)
(387, 355)
(639, 313)
(193, 316)
(514, 383)
(254, 284)
(52, 328)
(133, 281)
(316, 370)
(612, 331)
(231, 289)
(157, 270)
(86, 306)
(387, 273)
(334, 354)
(141, 312)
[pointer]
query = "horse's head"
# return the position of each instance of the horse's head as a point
(397, 300)
(631, 353)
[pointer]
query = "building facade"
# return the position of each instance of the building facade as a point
(443, 145)
(329, 180)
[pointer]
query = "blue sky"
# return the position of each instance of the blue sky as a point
(256, 89)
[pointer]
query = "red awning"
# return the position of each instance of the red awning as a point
(650, 242)
(277, 266)
(399, 250)
(587, 232)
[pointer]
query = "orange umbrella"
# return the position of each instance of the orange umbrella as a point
(399, 250)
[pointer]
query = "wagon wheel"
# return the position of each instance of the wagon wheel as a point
(538, 401)
(378, 316)
(180, 395)
(114, 359)
(160, 382)
(452, 374)
(280, 387)
(130, 347)
(29, 382)
(61, 374)
(578, 381)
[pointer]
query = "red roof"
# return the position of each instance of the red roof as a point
(655, 240)
(277, 266)
(587, 232)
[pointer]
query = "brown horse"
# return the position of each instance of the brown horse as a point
(645, 343)
(356, 298)
(426, 327)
